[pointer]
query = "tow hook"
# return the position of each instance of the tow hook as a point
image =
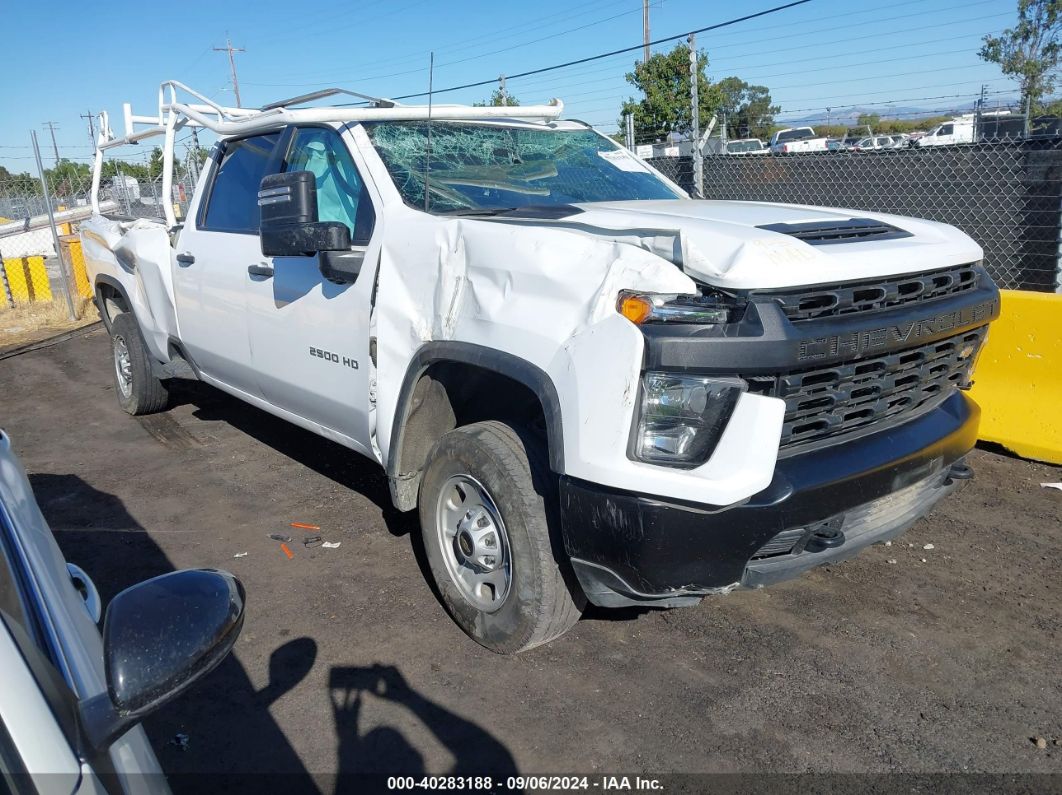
(823, 536)
(960, 470)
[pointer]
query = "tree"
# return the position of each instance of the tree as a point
(68, 177)
(749, 112)
(664, 81)
(498, 100)
(1029, 52)
(871, 120)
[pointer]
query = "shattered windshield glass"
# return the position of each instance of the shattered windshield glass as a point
(479, 167)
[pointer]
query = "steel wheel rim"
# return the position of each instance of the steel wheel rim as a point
(474, 543)
(123, 367)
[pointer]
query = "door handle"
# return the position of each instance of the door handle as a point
(185, 259)
(260, 270)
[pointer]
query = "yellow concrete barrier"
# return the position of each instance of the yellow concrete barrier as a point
(1018, 380)
(28, 279)
(71, 245)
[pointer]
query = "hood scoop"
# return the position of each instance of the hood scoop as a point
(852, 230)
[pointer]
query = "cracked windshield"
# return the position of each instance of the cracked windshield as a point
(476, 168)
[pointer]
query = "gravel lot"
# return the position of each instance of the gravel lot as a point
(905, 659)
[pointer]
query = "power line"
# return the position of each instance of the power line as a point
(232, 66)
(717, 26)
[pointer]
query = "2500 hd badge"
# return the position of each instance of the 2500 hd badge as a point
(329, 356)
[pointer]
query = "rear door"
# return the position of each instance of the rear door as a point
(218, 245)
(309, 337)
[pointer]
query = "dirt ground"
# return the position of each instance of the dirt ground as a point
(904, 659)
(30, 323)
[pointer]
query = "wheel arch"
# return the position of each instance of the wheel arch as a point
(111, 298)
(429, 405)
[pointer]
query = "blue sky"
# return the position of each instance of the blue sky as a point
(826, 53)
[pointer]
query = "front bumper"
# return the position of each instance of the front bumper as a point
(629, 549)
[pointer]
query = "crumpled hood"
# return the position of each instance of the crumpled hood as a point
(720, 242)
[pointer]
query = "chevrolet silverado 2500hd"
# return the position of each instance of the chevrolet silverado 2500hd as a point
(592, 388)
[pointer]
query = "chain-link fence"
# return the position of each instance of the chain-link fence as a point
(1006, 195)
(42, 265)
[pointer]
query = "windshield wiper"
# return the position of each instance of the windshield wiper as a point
(484, 211)
(547, 211)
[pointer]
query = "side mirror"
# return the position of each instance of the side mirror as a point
(159, 637)
(290, 226)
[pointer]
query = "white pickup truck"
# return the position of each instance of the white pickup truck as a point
(798, 140)
(593, 388)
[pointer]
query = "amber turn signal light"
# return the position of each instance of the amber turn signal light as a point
(636, 308)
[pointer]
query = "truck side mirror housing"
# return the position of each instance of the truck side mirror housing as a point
(160, 637)
(289, 225)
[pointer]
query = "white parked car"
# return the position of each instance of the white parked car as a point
(874, 142)
(71, 703)
(591, 387)
(797, 140)
(747, 146)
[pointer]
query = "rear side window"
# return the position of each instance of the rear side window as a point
(232, 205)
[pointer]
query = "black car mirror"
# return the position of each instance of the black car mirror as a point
(159, 637)
(289, 225)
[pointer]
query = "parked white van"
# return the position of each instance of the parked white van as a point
(959, 130)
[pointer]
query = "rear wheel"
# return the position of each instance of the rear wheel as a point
(488, 517)
(138, 390)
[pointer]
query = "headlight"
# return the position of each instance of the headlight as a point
(642, 308)
(682, 417)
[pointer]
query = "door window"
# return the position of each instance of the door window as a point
(341, 193)
(946, 129)
(232, 204)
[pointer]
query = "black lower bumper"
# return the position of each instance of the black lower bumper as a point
(821, 507)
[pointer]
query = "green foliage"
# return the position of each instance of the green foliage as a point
(1029, 52)
(749, 112)
(871, 120)
(498, 100)
(664, 81)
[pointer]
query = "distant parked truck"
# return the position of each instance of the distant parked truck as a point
(966, 129)
(959, 130)
(746, 146)
(795, 140)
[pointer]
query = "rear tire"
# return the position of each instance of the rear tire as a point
(488, 516)
(138, 390)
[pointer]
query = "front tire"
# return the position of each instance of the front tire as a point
(488, 510)
(138, 390)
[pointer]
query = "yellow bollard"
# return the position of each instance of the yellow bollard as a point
(71, 245)
(1018, 380)
(28, 279)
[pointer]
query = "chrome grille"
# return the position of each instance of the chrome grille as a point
(826, 402)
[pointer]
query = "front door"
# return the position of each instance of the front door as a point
(309, 337)
(218, 245)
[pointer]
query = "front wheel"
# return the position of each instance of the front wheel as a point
(488, 517)
(138, 390)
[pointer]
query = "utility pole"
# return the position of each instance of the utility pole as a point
(51, 125)
(51, 221)
(501, 90)
(91, 125)
(232, 66)
(645, 31)
(629, 125)
(695, 132)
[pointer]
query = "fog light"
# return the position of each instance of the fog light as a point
(682, 417)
